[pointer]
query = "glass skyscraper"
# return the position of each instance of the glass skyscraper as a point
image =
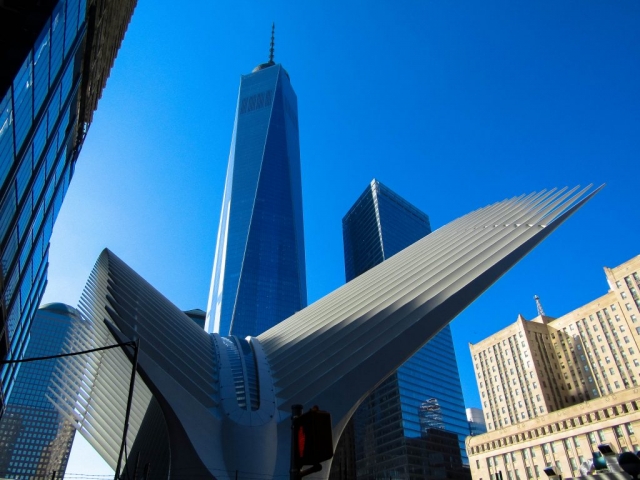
(55, 63)
(35, 439)
(259, 275)
(394, 427)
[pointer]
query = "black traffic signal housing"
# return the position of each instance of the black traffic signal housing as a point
(312, 437)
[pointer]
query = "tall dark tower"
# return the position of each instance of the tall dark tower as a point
(385, 436)
(259, 275)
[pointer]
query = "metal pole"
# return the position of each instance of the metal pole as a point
(134, 367)
(294, 468)
(53, 475)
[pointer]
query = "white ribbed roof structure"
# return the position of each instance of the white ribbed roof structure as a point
(221, 405)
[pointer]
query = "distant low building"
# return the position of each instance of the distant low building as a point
(553, 389)
(475, 418)
(198, 316)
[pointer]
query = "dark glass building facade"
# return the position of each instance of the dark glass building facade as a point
(391, 424)
(55, 56)
(259, 275)
(35, 439)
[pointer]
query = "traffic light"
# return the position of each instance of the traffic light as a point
(312, 437)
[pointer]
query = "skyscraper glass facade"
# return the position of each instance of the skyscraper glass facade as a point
(37, 152)
(424, 389)
(35, 439)
(259, 275)
(56, 67)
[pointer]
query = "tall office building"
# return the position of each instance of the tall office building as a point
(531, 368)
(55, 57)
(584, 367)
(387, 424)
(35, 439)
(259, 275)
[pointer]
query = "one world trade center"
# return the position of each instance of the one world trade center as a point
(259, 276)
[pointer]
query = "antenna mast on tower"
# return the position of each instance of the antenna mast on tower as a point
(273, 34)
(538, 305)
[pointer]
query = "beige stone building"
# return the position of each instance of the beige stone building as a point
(579, 362)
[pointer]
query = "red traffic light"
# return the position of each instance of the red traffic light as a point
(313, 437)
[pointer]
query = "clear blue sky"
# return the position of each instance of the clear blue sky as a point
(454, 105)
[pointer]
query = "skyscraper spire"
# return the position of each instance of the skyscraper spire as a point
(538, 305)
(273, 33)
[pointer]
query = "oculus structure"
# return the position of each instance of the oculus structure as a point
(211, 406)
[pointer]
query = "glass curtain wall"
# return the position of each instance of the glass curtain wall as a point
(390, 436)
(37, 139)
(35, 439)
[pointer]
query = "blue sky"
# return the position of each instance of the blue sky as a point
(453, 105)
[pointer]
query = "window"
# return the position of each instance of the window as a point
(601, 435)
(618, 431)
(628, 307)
(623, 295)
(629, 430)
(574, 465)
